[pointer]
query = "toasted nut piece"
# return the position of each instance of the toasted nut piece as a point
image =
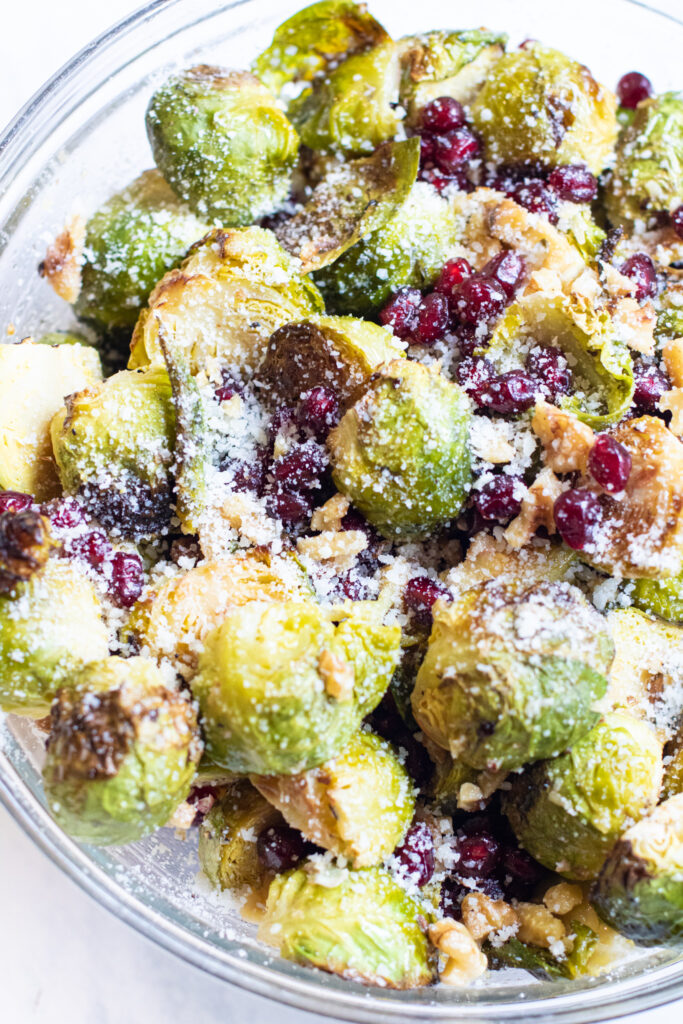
(466, 962)
(241, 513)
(337, 675)
(587, 285)
(635, 325)
(329, 516)
(62, 263)
(566, 440)
(616, 284)
(488, 441)
(483, 916)
(672, 401)
(470, 797)
(538, 927)
(536, 510)
(541, 244)
(337, 548)
(672, 352)
(560, 899)
(545, 280)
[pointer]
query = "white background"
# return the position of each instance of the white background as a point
(64, 960)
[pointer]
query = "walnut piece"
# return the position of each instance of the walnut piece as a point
(562, 898)
(672, 352)
(538, 927)
(337, 548)
(465, 962)
(483, 916)
(329, 516)
(672, 401)
(566, 440)
(536, 511)
(635, 325)
(337, 676)
(63, 260)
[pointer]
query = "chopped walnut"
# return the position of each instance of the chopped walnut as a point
(470, 797)
(541, 244)
(329, 516)
(483, 916)
(616, 284)
(339, 549)
(488, 441)
(183, 817)
(672, 352)
(337, 676)
(587, 285)
(538, 927)
(635, 325)
(562, 898)
(566, 440)
(465, 962)
(241, 513)
(545, 280)
(63, 260)
(672, 401)
(536, 511)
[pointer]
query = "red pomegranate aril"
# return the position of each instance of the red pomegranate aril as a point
(633, 88)
(677, 221)
(249, 476)
(280, 848)
(420, 595)
(283, 421)
(574, 183)
(415, 857)
(228, 388)
(401, 312)
(609, 464)
(432, 319)
(453, 150)
(440, 181)
(452, 275)
(536, 197)
(510, 393)
(477, 855)
(352, 585)
(499, 498)
(549, 366)
(577, 516)
(66, 514)
(473, 374)
(426, 150)
(127, 578)
(301, 468)
(292, 509)
(93, 547)
(651, 383)
(508, 269)
(442, 115)
(319, 410)
(14, 501)
(641, 270)
(480, 299)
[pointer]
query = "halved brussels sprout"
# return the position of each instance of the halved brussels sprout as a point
(511, 674)
(539, 105)
(542, 963)
(114, 443)
(648, 173)
(640, 888)
(62, 338)
(490, 558)
(224, 302)
(358, 804)
(446, 63)
(282, 689)
(355, 198)
(648, 663)
(49, 628)
(25, 546)
(576, 221)
(409, 249)
(340, 352)
(601, 365)
(223, 144)
(228, 835)
(400, 452)
(673, 766)
(569, 812)
(121, 753)
(660, 597)
(358, 924)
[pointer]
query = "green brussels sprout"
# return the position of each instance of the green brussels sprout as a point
(576, 221)
(400, 452)
(670, 319)
(130, 243)
(511, 674)
(358, 804)
(50, 627)
(315, 39)
(224, 302)
(450, 774)
(358, 924)
(25, 546)
(673, 766)
(648, 172)
(62, 338)
(354, 199)
(340, 352)
(640, 888)
(409, 249)
(541, 963)
(282, 688)
(537, 105)
(489, 558)
(602, 369)
(569, 812)
(227, 839)
(114, 443)
(446, 63)
(223, 144)
(647, 663)
(660, 597)
(121, 753)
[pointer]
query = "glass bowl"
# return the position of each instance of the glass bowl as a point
(78, 140)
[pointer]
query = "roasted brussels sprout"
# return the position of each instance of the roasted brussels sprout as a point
(400, 452)
(62, 338)
(337, 351)
(538, 105)
(225, 301)
(542, 963)
(33, 381)
(228, 835)
(358, 804)
(282, 689)
(511, 674)
(121, 753)
(640, 888)
(113, 444)
(358, 924)
(648, 662)
(50, 627)
(409, 249)
(648, 172)
(673, 766)
(223, 144)
(660, 597)
(569, 812)
(25, 546)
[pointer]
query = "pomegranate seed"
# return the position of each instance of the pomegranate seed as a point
(500, 498)
(420, 595)
(452, 275)
(536, 197)
(473, 374)
(127, 578)
(507, 268)
(470, 337)
(351, 585)
(301, 468)
(202, 799)
(480, 299)
(453, 150)
(415, 856)
(401, 312)
(577, 516)
(282, 422)
(641, 270)
(319, 411)
(574, 183)
(440, 181)
(651, 383)
(453, 892)
(229, 387)
(66, 514)
(477, 855)
(292, 509)
(677, 221)
(510, 393)
(94, 548)
(249, 476)
(609, 463)
(281, 847)
(549, 366)
(432, 320)
(14, 501)
(632, 88)
(426, 150)
(442, 115)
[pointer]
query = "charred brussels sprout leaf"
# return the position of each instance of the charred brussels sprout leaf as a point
(358, 804)
(121, 753)
(640, 888)
(538, 105)
(227, 839)
(511, 674)
(660, 597)
(400, 452)
(364, 927)
(282, 688)
(541, 963)
(49, 628)
(24, 547)
(223, 144)
(570, 811)
(114, 446)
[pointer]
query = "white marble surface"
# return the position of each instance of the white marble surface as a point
(62, 958)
